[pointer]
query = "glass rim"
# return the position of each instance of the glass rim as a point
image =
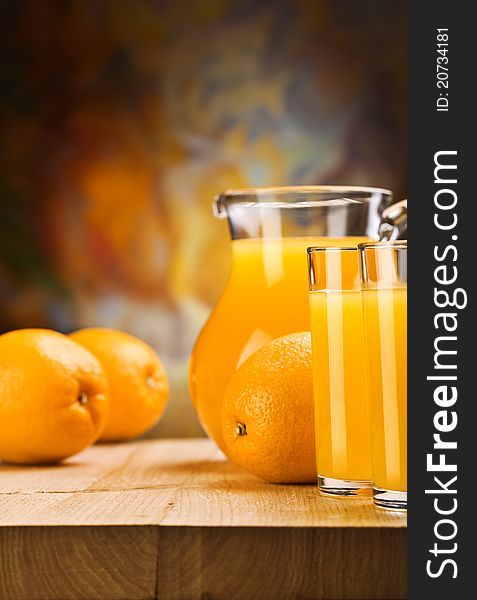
(396, 244)
(313, 249)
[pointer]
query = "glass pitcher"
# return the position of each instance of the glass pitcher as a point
(267, 293)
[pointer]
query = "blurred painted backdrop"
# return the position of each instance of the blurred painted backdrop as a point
(121, 119)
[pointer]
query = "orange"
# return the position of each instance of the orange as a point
(53, 397)
(138, 383)
(267, 414)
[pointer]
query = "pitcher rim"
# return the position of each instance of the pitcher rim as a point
(290, 189)
(231, 196)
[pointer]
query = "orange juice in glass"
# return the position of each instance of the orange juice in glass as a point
(339, 372)
(384, 283)
(267, 293)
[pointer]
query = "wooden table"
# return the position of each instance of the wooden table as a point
(172, 519)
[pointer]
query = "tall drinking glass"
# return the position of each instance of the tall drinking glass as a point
(384, 291)
(339, 380)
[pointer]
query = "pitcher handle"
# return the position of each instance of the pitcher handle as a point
(393, 221)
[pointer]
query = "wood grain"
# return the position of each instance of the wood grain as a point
(169, 483)
(276, 564)
(66, 563)
(172, 519)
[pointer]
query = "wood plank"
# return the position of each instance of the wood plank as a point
(59, 563)
(169, 483)
(174, 520)
(67, 563)
(281, 563)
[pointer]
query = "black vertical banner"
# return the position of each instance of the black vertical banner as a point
(442, 423)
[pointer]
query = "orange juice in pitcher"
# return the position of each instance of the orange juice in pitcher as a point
(267, 293)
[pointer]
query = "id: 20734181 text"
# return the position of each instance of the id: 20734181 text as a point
(442, 70)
